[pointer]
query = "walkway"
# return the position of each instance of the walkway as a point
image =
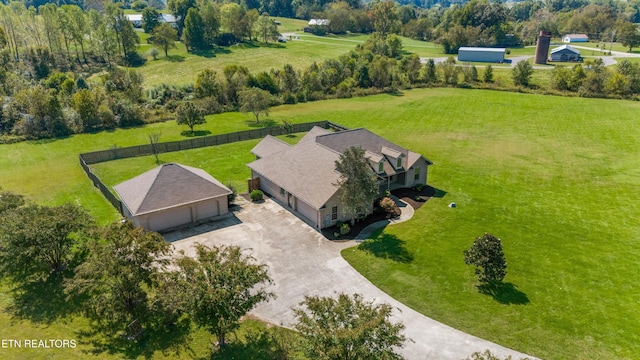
(302, 262)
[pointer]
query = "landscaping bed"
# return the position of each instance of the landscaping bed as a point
(414, 197)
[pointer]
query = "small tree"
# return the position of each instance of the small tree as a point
(487, 256)
(154, 140)
(521, 73)
(287, 126)
(358, 184)
(348, 328)
(220, 286)
(488, 74)
(164, 36)
(189, 114)
(255, 100)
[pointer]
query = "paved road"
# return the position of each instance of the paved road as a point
(302, 262)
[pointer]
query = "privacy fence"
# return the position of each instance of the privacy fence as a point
(115, 153)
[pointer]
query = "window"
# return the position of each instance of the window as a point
(416, 176)
(380, 167)
(281, 192)
(399, 163)
(334, 213)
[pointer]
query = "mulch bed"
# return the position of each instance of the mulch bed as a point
(414, 197)
(330, 232)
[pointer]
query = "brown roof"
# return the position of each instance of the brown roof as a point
(268, 146)
(307, 169)
(166, 186)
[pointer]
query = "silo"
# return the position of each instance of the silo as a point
(542, 47)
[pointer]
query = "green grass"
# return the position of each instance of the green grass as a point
(556, 178)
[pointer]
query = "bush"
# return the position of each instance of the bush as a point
(344, 229)
(419, 187)
(256, 195)
(234, 192)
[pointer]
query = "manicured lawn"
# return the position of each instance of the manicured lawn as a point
(556, 178)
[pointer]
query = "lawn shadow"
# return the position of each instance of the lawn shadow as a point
(504, 293)
(387, 246)
(175, 58)
(261, 123)
(42, 301)
(434, 192)
(169, 339)
(257, 345)
(195, 133)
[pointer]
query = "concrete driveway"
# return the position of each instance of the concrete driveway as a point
(302, 262)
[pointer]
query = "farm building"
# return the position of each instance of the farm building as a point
(565, 53)
(319, 22)
(172, 195)
(574, 38)
(481, 54)
(135, 19)
(302, 177)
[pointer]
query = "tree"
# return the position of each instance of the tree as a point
(348, 328)
(38, 240)
(10, 201)
(521, 73)
(122, 267)
(357, 183)
(165, 37)
(267, 29)
(210, 13)
(154, 140)
(150, 19)
(194, 31)
(256, 101)
(86, 102)
(207, 84)
(220, 286)
(189, 114)
(385, 17)
(487, 257)
(179, 9)
(628, 35)
(488, 74)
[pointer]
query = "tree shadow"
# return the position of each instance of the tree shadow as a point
(43, 301)
(261, 124)
(195, 133)
(257, 345)
(430, 191)
(175, 58)
(171, 339)
(387, 246)
(504, 293)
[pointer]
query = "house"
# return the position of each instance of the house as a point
(565, 53)
(135, 19)
(481, 54)
(320, 22)
(573, 38)
(302, 177)
(172, 195)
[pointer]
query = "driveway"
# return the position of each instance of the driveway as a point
(302, 262)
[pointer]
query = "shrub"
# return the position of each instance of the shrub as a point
(256, 195)
(344, 229)
(234, 192)
(387, 204)
(387, 193)
(419, 187)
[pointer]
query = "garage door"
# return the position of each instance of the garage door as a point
(307, 211)
(169, 218)
(207, 209)
(269, 187)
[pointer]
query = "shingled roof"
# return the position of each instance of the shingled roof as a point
(167, 186)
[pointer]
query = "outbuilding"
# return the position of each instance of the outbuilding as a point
(481, 54)
(565, 53)
(172, 195)
(574, 38)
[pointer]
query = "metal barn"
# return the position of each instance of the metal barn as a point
(481, 54)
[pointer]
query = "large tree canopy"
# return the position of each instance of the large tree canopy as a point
(358, 184)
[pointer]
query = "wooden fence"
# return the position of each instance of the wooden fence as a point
(115, 153)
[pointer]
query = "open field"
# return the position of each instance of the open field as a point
(556, 178)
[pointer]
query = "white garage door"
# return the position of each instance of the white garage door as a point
(269, 187)
(169, 218)
(307, 211)
(207, 209)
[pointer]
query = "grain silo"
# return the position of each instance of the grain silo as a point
(542, 47)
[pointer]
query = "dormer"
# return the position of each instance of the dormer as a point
(395, 157)
(376, 161)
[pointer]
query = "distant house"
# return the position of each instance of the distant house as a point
(481, 54)
(302, 177)
(573, 38)
(135, 19)
(320, 22)
(172, 195)
(168, 18)
(565, 53)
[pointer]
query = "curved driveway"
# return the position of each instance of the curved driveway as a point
(302, 262)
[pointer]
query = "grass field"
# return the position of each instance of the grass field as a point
(556, 178)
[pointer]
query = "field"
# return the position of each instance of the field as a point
(556, 178)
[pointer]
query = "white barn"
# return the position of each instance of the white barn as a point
(172, 195)
(481, 54)
(573, 38)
